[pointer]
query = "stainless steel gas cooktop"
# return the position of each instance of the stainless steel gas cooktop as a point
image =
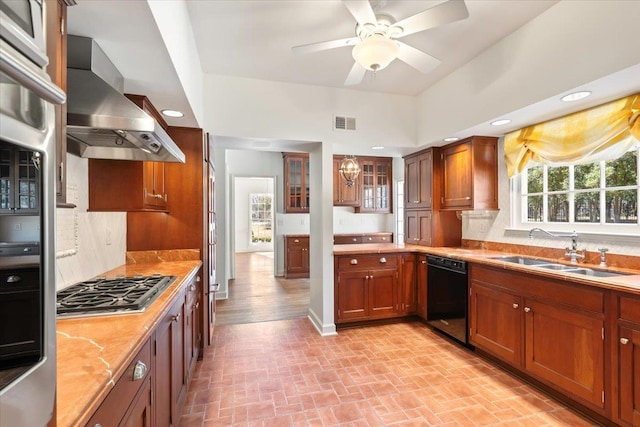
(119, 295)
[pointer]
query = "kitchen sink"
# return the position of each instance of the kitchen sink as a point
(542, 263)
(523, 260)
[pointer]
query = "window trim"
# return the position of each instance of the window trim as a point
(258, 244)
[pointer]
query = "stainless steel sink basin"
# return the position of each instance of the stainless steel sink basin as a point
(542, 263)
(523, 260)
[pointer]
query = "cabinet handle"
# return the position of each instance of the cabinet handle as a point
(527, 309)
(192, 287)
(370, 239)
(296, 241)
(515, 305)
(139, 371)
(423, 261)
(353, 262)
(354, 240)
(624, 341)
(14, 279)
(468, 198)
(97, 425)
(384, 238)
(176, 317)
(416, 201)
(197, 306)
(383, 260)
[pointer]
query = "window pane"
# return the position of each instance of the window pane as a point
(534, 208)
(587, 207)
(587, 176)
(623, 171)
(558, 178)
(558, 208)
(622, 206)
(534, 179)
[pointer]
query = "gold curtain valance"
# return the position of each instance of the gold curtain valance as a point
(599, 133)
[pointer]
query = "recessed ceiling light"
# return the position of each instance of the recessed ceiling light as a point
(576, 96)
(500, 122)
(377, 147)
(451, 139)
(173, 113)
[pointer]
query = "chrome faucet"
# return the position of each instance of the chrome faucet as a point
(572, 253)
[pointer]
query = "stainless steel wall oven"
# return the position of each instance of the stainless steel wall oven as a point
(27, 218)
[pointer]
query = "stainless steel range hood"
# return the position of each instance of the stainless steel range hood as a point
(101, 122)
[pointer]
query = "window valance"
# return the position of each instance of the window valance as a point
(599, 133)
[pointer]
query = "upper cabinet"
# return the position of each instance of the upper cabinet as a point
(296, 183)
(418, 175)
(18, 181)
(470, 174)
(56, 35)
(376, 173)
(344, 195)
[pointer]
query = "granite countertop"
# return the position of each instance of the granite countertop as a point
(627, 283)
(93, 352)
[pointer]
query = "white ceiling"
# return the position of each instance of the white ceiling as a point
(253, 39)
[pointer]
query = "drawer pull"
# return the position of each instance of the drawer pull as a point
(370, 238)
(197, 306)
(515, 305)
(383, 260)
(14, 279)
(354, 240)
(139, 371)
(423, 261)
(366, 277)
(296, 241)
(624, 341)
(468, 198)
(192, 287)
(384, 238)
(176, 317)
(527, 309)
(353, 262)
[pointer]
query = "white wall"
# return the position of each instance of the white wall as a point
(81, 236)
(570, 44)
(243, 188)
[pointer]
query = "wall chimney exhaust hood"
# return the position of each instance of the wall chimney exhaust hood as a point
(101, 122)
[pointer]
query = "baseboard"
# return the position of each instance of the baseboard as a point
(323, 330)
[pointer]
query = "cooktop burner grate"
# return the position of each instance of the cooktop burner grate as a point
(118, 295)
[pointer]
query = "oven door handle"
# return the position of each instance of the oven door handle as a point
(23, 72)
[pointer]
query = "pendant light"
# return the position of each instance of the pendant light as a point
(349, 170)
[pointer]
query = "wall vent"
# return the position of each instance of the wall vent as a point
(344, 123)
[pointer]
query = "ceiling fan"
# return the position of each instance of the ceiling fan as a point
(375, 45)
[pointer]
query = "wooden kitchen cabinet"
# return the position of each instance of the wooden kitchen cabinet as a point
(19, 181)
(627, 362)
(192, 330)
(421, 286)
(376, 174)
(432, 228)
(171, 382)
(296, 182)
(296, 262)
(418, 227)
(470, 174)
(129, 403)
(349, 239)
(407, 297)
(418, 178)
(549, 329)
(366, 287)
(344, 195)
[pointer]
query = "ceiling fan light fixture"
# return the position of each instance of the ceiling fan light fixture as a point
(376, 52)
(349, 170)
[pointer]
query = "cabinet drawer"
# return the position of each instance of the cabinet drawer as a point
(297, 242)
(629, 309)
(117, 402)
(346, 239)
(361, 262)
(378, 238)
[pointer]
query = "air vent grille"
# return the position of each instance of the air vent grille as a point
(344, 123)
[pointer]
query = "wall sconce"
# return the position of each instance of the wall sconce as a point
(349, 170)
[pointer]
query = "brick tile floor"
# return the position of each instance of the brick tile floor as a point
(283, 373)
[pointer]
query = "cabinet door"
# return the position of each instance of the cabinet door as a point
(412, 182)
(495, 322)
(629, 375)
(153, 181)
(424, 228)
(421, 286)
(297, 257)
(411, 227)
(296, 184)
(19, 178)
(383, 293)
(457, 185)
(408, 284)
(352, 295)
(425, 167)
(565, 348)
(376, 185)
(140, 413)
(344, 195)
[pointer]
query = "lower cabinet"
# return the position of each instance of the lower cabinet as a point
(140, 414)
(296, 262)
(366, 287)
(627, 365)
(421, 286)
(549, 329)
(407, 298)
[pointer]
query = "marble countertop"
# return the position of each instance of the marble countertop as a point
(92, 352)
(627, 283)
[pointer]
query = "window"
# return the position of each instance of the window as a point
(603, 193)
(261, 217)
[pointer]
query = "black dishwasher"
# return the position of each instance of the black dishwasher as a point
(447, 296)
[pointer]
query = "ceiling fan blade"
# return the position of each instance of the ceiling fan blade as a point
(419, 60)
(444, 13)
(361, 10)
(355, 75)
(316, 47)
